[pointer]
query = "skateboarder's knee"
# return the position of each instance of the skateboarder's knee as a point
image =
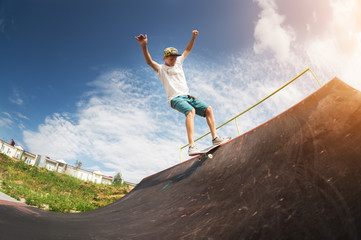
(209, 110)
(191, 114)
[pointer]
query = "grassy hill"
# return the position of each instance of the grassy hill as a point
(54, 191)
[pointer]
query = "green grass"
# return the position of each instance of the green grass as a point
(54, 191)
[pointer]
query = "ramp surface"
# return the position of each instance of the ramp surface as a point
(298, 176)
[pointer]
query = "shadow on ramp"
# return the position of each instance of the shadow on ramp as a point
(298, 176)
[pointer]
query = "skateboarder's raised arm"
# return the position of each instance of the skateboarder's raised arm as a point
(142, 40)
(190, 44)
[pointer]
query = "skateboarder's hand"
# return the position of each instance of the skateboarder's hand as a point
(142, 40)
(195, 33)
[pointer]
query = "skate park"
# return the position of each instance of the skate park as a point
(297, 176)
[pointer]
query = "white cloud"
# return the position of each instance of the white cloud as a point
(16, 97)
(335, 52)
(124, 124)
(271, 33)
(17, 101)
(8, 115)
(21, 116)
(6, 121)
(338, 52)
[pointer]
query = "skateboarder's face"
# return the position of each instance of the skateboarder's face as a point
(170, 60)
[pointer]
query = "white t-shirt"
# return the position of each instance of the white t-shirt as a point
(173, 79)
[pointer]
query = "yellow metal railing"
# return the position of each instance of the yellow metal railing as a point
(264, 99)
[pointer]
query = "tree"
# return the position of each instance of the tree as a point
(118, 181)
(78, 164)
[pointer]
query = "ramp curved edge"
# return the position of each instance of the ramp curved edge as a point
(296, 176)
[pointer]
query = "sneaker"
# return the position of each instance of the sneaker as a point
(219, 140)
(193, 150)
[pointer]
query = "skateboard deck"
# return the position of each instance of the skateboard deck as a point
(204, 151)
(208, 149)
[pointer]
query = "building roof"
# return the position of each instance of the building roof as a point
(98, 172)
(61, 161)
(19, 147)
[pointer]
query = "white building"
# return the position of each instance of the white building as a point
(96, 176)
(31, 159)
(13, 151)
(54, 165)
(60, 166)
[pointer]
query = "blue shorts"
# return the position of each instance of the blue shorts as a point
(186, 103)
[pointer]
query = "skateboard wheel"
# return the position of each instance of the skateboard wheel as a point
(210, 155)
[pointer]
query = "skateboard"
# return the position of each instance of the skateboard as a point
(206, 151)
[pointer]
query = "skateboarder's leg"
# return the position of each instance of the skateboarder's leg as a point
(211, 122)
(190, 126)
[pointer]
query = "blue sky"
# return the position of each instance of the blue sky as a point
(75, 86)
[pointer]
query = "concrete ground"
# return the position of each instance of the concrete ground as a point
(5, 197)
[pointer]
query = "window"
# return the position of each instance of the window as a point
(49, 167)
(27, 160)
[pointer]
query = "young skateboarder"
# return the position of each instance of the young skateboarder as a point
(172, 76)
